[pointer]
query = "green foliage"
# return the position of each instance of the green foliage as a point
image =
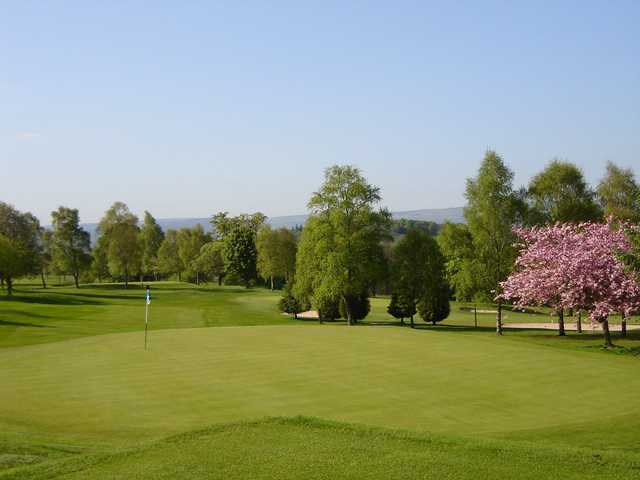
(169, 261)
(210, 261)
(347, 230)
(456, 244)
(70, 243)
(355, 306)
(403, 225)
(238, 235)
(20, 249)
(151, 235)
(240, 254)
(189, 243)
(619, 194)
(120, 229)
(560, 194)
(328, 307)
(434, 304)
(276, 253)
(288, 303)
(401, 307)
(493, 207)
(100, 259)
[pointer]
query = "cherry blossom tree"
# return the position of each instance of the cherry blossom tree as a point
(574, 266)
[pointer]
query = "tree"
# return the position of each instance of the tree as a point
(46, 255)
(409, 267)
(71, 244)
(433, 303)
(240, 254)
(168, 259)
(189, 242)
(456, 244)
(574, 266)
(276, 253)
(492, 208)
(100, 261)
(359, 304)
(19, 245)
(238, 235)
(619, 194)
(401, 307)
(349, 230)
(560, 194)
(289, 303)
(210, 260)
(122, 238)
(151, 236)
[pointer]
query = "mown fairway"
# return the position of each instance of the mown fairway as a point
(78, 387)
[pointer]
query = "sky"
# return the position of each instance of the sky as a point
(190, 108)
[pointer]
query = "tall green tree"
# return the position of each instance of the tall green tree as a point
(561, 194)
(122, 236)
(419, 276)
(71, 243)
(169, 262)
(456, 244)
(351, 228)
(100, 259)
(46, 256)
(20, 245)
(493, 207)
(619, 194)
(210, 261)
(190, 241)
(151, 235)
(276, 253)
(238, 235)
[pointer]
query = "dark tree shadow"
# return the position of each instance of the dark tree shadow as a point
(46, 298)
(23, 324)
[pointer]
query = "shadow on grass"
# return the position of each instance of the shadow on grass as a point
(46, 298)
(8, 323)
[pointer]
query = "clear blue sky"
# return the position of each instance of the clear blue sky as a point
(188, 108)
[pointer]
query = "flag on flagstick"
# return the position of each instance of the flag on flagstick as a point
(146, 315)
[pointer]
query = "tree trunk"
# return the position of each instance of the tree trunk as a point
(433, 322)
(402, 322)
(126, 278)
(607, 334)
(475, 316)
(75, 280)
(499, 320)
(44, 281)
(579, 322)
(561, 322)
(623, 326)
(347, 308)
(412, 325)
(271, 282)
(219, 280)
(9, 282)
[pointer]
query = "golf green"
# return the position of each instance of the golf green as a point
(108, 390)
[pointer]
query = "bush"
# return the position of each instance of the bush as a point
(288, 303)
(359, 305)
(328, 309)
(434, 305)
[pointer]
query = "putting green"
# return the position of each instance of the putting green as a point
(107, 389)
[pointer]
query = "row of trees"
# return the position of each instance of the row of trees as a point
(237, 251)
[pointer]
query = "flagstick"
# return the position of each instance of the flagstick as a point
(146, 316)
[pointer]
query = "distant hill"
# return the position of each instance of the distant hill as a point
(436, 215)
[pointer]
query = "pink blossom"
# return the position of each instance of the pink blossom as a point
(573, 266)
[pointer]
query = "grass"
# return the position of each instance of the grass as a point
(82, 399)
(290, 448)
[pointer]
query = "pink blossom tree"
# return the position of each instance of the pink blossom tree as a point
(574, 266)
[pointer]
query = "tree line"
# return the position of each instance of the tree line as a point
(348, 250)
